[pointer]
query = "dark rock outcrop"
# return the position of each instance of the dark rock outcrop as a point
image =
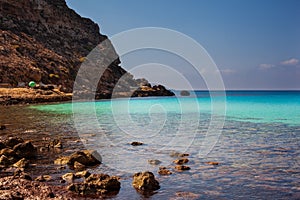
(145, 181)
(46, 42)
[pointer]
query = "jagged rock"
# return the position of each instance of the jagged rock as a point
(181, 161)
(48, 44)
(25, 150)
(22, 163)
(145, 181)
(96, 184)
(12, 141)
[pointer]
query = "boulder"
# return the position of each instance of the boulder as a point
(145, 181)
(96, 184)
(25, 150)
(85, 157)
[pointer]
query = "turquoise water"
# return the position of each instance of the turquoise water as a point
(248, 106)
(254, 135)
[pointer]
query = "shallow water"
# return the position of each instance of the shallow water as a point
(258, 150)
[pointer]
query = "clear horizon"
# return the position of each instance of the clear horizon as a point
(255, 44)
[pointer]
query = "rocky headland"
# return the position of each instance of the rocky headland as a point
(46, 42)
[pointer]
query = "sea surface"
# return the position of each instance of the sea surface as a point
(253, 135)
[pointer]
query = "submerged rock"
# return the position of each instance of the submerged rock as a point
(181, 161)
(212, 163)
(136, 143)
(164, 171)
(182, 167)
(154, 162)
(145, 181)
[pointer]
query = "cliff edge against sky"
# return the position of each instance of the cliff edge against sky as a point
(46, 42)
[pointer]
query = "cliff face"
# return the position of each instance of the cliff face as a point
(45, 41)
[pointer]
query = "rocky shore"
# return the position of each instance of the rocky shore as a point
(18, 157)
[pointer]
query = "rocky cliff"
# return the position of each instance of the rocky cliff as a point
(45, 41)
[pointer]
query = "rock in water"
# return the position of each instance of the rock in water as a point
(85, 157)
(96, 184)
(145, 181)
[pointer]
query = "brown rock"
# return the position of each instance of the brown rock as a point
(78, 166)
(182, 167)
(25, 150)
(43, 178)
(154, 162)
(4, 161)
(96, 184)
(82, 174)
(181, 161)
(85, 157)
(145, 181)
(212, 163)
(136, 143)
(69, 177)
(12, 141)
(23, 163)
(8, 152)
(62, 160)
(164, 171)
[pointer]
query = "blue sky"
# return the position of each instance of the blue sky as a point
(255, 43)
